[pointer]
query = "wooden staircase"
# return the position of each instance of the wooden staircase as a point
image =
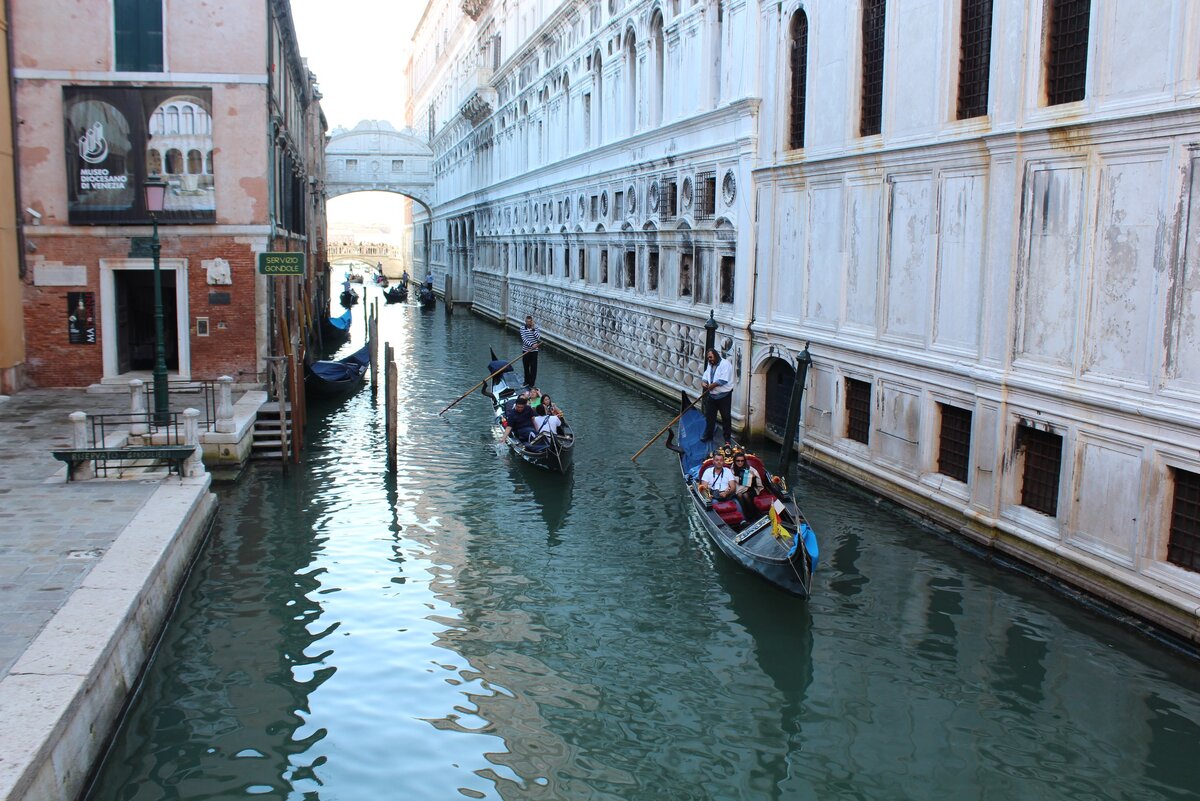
(269, 427)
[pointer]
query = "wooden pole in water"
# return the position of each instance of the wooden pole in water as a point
(795, 410)
(449, 294)
(393, 380)
(373, 342)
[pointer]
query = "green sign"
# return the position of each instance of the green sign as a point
(281, 263)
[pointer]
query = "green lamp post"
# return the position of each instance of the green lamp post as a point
(156, 192)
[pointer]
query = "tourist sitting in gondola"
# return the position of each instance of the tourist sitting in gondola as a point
(550, 418)
(718, 482)
(520, 419)
(748, 485)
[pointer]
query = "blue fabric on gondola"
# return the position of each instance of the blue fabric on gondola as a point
(341, 323)
(691, 429)
(810, 543)
(336, 371)
(361, 357)
(496, 365)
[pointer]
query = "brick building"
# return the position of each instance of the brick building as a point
(215, 99)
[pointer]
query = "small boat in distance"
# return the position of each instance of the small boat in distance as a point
(426, 297)
(337, 378)
(396, 294)
(778, 544)
(551, 448)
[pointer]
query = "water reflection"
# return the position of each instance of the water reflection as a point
(472, 628)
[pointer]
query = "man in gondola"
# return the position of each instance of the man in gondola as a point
(718, 480)
(520, 419)
(717, 381)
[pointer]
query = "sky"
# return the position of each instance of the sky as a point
(357, 50)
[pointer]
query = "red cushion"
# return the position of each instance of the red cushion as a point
(763, 501)
(729, 511)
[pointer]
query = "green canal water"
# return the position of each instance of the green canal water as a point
(473, 629)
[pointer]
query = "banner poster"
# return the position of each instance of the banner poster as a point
(118, 136)
(81, 318)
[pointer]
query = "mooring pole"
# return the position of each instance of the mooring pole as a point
(792, 426)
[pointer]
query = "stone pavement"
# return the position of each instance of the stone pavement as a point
(87, 574)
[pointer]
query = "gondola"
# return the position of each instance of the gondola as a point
(348, 298)
(426, 297)
(785, 554)
(335, 379)
(550, 452)
(397, 294)
(335, 331)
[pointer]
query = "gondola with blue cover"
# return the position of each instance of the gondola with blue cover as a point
(337, 378)
(779, 544)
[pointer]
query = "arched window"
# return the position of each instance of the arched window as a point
(598, 91)
(172, 120)
(195, 164)
(188, 123)
(874, 15)
(174, 162)
(153, 162)
(798, 57)
(631, 98)
(656, 78)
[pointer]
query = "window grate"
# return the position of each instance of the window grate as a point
(671, 201)
(706, 203)
(652, 271)
(873, 19)
(1066, 51)
(858, 410)
(1183, 548)
(954, 451)
(975, 58)
(1043, 463)
(799, 64)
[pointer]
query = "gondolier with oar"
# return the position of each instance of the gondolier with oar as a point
(531, 341)
(717, 381)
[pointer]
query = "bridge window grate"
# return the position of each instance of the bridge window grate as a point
(954, 449)
(858, 410)
(799, 88)
(1043, 465)
(975, 57)
(1067, 50)
(1183, 547)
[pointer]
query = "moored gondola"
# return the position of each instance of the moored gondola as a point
(777, 542)
(337, 378)
(550, 445)
(348, 297)
(335, 331)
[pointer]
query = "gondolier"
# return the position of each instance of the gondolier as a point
(531, 341)
(717, 381)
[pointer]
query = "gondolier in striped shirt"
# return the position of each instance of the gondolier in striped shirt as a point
(531, 340)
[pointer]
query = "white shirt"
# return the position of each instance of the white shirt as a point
(718, 478)
(719, 373)
(546, 424)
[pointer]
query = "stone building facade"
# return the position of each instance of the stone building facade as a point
(981, 215)
(184, 93)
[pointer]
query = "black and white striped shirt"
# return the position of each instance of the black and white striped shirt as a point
(530, 337)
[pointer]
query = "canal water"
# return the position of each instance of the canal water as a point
(473, 629)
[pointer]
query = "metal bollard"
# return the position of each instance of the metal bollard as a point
(225, 424)
(138, 426)
(194, 464)
(79, 439)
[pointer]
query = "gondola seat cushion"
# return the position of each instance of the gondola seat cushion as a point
(729, 511)
(763, 501)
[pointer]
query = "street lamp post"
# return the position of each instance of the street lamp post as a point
(156, 190)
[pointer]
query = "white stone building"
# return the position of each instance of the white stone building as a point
(984, 215)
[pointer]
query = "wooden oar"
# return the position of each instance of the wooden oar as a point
(674, 420)
(480, 384)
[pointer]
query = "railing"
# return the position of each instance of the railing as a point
(207, 390)
(216, 398)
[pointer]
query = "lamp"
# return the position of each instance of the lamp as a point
(710, 333)
(156, 191)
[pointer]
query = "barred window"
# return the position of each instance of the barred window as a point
(618, 205)
(706, 203)
(582, 264)
(1183, 548)
(799, 63)
(671, 202)
(652, 271)
(954, 450)
(975, 58)
(1067, 50)
(685, 275)
(1043, 464)
(858, 410)
(873, 18)
(604, 265)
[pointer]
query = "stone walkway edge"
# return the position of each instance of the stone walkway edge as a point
(63, 696)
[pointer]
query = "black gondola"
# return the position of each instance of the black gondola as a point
(335, 379)
(335, 331)
(548, 450)
(426, 297)
(348, 298)
(397, 294)
(779, 545)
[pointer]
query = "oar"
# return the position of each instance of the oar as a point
(674, 420)
(480, 384)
